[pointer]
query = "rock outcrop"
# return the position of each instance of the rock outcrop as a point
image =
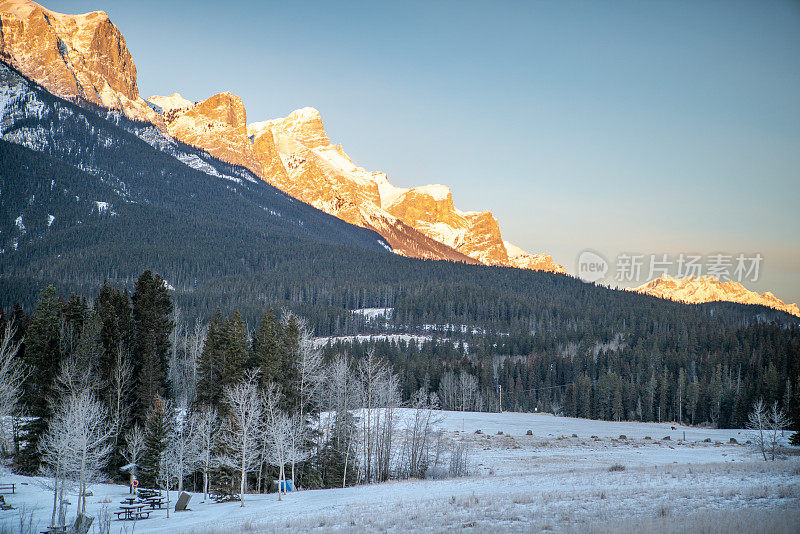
(218, 125)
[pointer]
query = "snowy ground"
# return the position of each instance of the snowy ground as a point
(548, 481)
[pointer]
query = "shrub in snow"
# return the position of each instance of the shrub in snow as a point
(529, 433)
(616, 467)
(623, 436)
(666, 438)
(732, 440)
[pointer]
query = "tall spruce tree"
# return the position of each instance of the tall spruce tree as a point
(151, 315)
(267, 348)
(225, 355)
(156, 434)
(237, 350)
(113, 307)
(289, 377)
(209, 388)
(42, 357)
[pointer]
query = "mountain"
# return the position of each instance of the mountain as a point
(695, 290)
(82, 58)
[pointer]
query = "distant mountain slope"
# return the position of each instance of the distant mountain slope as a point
(106, 178)
(695, 290)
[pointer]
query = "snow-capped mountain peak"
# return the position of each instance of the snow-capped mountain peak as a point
(708, 288)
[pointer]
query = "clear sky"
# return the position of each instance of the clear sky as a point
(642, 127)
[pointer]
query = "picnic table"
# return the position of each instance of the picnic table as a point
(133, 511)
(155, 502)
(128, 500)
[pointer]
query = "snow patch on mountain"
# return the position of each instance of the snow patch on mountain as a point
(170, 103)
(436, 191)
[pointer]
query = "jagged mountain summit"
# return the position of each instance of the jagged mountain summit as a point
(696, 290)
(84, 58)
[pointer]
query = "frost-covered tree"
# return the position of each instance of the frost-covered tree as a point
(380, 396)
(243, 427)
(207, 426)
(776, 422)
(185, 446)
(310, 375)
(420, 427)
(134, 446)
(78, 444)
(340, 396)
(757, 423)
(11, 375)
(279, 436)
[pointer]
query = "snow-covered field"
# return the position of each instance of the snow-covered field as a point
(559, 478)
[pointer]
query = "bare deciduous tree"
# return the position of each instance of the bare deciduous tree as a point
(776, 422)
(185, 445)
(244, 429)
(119, 382)
(134, 446)
(425, 416)
(207, 428)
(80, 429)
(12, 374)
(757, 423)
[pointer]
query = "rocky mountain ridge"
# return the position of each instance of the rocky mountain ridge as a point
(696, 290)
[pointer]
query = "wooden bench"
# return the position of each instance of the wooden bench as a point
(8, 488)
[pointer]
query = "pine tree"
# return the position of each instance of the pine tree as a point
(151, 314)
(267, 344)
(225, 354)
(113, 308)
(156, 433)
(289, 377)
(236, 350)
(209, 386)
(42, 356)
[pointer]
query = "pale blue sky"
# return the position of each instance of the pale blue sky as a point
(618, 126)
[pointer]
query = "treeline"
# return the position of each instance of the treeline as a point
(715, 380)
(130, 388)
